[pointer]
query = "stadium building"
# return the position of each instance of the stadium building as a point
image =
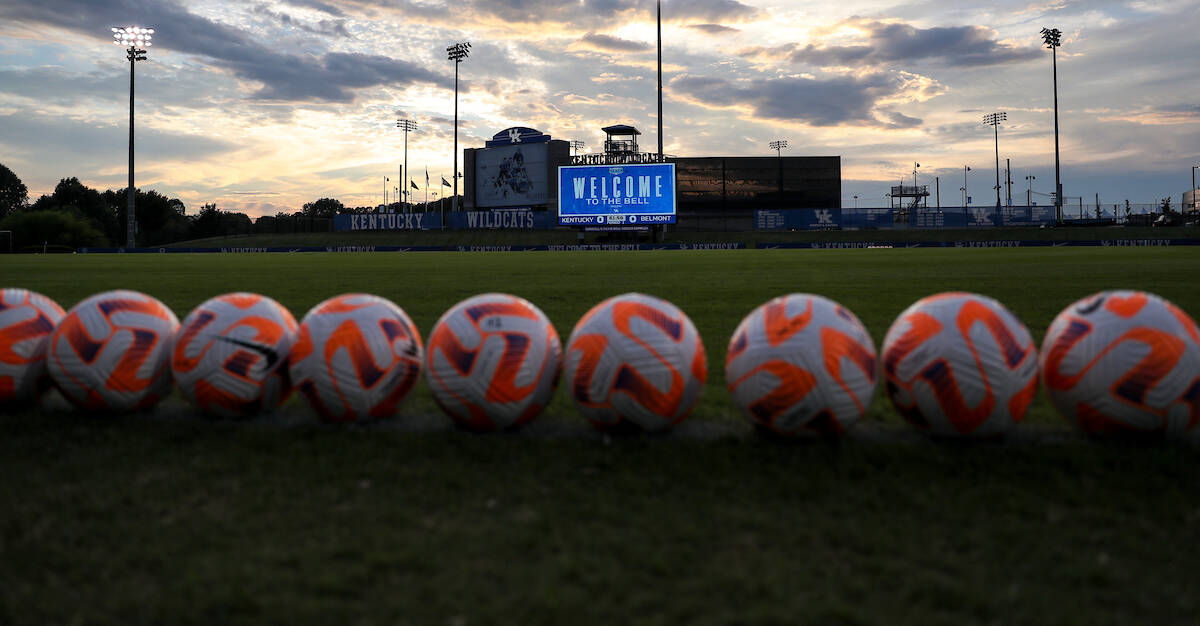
(517, 169)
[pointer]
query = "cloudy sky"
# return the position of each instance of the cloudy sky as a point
(261, 106)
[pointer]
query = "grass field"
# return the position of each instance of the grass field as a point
(164, 518)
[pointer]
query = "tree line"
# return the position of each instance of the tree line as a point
(76, 216)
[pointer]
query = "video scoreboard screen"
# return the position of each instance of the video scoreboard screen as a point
(616, 195)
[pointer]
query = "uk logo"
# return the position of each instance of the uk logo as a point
(514, 135)
(981, 217)
(824, 217)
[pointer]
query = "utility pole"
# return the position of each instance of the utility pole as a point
(1008, 180)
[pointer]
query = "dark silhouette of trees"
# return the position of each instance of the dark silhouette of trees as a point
(74, 197)
(54, 229)
(213, 222)
(14, 195)
(325, 207)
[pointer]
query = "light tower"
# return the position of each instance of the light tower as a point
(576, 145)
(994, 119)
(457, 53)
(778, 145)
(1053, 39)
(132, 38)
(405, 125)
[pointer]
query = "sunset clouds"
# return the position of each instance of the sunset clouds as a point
(265, 105)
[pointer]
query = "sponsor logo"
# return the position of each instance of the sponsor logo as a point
(268, 353)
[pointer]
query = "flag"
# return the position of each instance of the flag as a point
(444, 183)
(414, 185)
(427, 178)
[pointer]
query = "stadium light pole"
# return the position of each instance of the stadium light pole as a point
(778, 145)
(1029, 191)
(456, 53)
(994, 119)
(406, 125)
(1053, 39)
(660, 120)
(132, 38)
(576, 145)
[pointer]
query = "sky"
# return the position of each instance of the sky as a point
(262, 106)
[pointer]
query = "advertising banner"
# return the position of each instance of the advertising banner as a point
(616, 195)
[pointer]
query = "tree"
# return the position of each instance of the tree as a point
(32, 229)
(213, 222)
(72, 196)
(325, 207)
(159, 219)
(1165, 207)
(14, 195)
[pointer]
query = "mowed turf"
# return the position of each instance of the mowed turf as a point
(166, 518)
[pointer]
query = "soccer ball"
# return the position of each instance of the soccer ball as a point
(801, 364)
(357, 357)
(230, 356)
(112, 352)
(960, 364)
(1123, 363)
(635, 362)
(493, 362)
(26, 321)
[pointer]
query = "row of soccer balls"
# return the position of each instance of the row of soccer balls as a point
(954, 364)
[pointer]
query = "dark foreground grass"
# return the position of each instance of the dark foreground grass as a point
(168, 519)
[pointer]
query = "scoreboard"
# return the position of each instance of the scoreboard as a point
(617, 195)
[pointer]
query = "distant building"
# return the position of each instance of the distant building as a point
(1189, 200)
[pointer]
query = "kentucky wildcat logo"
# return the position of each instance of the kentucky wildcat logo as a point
(981, 217)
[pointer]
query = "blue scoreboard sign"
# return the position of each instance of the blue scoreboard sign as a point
(616, 195)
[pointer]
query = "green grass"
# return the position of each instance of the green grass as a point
(165, 518)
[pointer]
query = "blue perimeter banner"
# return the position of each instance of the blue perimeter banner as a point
(920, 218)
(816, 245)
(608, 195)
(507, 219)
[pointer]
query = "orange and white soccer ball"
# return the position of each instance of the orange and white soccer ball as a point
(357, 357)
(635, 362)
(802, 364)
(1123, 363)
(493, 362)
(27, 319)
(112, 352)
(230, 356)
(960, 364)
